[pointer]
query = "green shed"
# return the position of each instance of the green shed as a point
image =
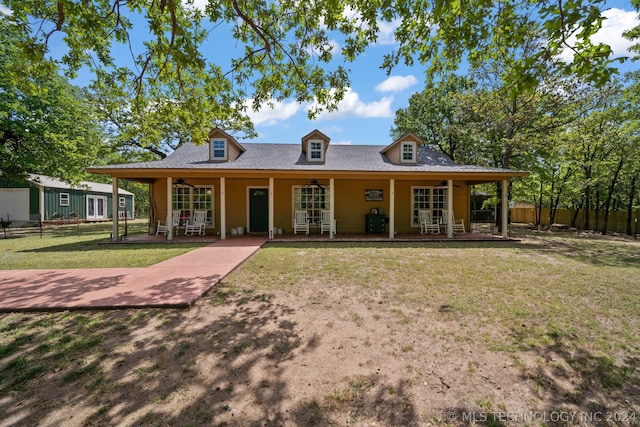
(49, 198)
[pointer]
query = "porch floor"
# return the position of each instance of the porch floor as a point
(480, 232)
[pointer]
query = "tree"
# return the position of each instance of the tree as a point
(46, 125)
(156, 127)
(433, 115)
(285, 48)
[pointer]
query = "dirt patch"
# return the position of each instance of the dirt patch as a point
(321, 357)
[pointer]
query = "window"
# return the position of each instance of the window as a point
(315, 153)
(311, 199)
(64, 199)
(408, 152)
(188, 199)
(121, 202)
(219, 149)
(433, 199)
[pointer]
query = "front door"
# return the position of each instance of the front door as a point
(258, 210)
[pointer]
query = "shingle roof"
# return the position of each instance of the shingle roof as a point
(261, 156)
(47, 181)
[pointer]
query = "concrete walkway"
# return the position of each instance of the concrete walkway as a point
(176, 282)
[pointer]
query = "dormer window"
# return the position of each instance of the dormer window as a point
(315, 153)
(219, 150)
(408, 152)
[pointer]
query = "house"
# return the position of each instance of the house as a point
(48, 198)
(259, 187)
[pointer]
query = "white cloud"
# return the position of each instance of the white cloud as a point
(200, 4)
(353, 106)
(271, 115)
(5, 10)
(332, 45)
(386, 31)
(618, 21)
(396, 83)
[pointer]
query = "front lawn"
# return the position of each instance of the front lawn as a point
(82, 246)
(542, 332)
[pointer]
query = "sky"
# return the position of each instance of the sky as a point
(366, 114)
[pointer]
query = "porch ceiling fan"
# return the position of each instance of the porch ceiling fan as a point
(315, 183)
(181, 181)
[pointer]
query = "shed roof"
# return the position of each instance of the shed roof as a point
(97, 187)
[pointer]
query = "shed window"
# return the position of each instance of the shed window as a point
(408, 152)
(121, 202)
(218, 149)
(316, 151)
(64, 199)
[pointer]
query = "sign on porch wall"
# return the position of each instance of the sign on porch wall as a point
(372, 195)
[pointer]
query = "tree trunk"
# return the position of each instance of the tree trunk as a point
(596, 220)
(575, 214)
(607, 202)
(553, 208)
(539, 209)
(587, 206)
(632, 196)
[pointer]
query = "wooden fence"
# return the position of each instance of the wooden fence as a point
(617, 220)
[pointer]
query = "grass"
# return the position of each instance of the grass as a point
(547, 291)
(575, 299)
(83, 246)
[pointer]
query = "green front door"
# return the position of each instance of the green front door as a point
(258, 210)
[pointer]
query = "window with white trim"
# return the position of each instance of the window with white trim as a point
(433, 199)
(219, 149)
(122, 202)
(315, 152)
(64, 199)
(408, 154)
(313, 200)
(187, 199)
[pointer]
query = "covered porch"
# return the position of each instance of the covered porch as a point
(346, 200)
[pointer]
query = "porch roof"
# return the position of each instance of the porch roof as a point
(288, 157)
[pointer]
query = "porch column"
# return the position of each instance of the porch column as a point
(41, 196)
(114, 209)
(450, 208)
(271, 208)
(169, 208)
(223, 209)
(332, 208)
(392, 208)
(505, 207)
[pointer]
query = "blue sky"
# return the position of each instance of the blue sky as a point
(366, 114)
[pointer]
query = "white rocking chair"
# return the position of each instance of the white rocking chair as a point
(427, 224)
(196, 224)
(300, 222)
(175, 222)
(457, 226)
(325, 222)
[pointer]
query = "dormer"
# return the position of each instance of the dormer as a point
(223, 147)
(314, 146)
(404, 150)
